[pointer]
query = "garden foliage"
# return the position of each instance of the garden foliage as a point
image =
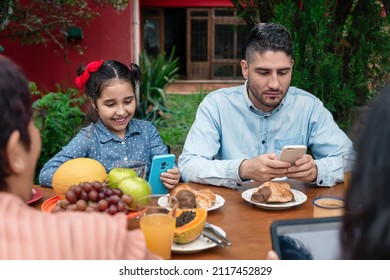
(58, 116)
(341, 49)
(156, 74)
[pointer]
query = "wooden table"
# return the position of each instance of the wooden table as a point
(247, 226)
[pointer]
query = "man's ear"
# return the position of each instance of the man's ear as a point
(15, 153)
(244, 69)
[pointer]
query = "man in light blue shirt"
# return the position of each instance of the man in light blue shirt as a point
(239, 132)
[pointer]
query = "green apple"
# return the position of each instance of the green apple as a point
(137, 187)
(117, 174)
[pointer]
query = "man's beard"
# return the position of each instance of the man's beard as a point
(260, 98)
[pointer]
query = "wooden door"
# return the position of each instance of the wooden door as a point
(198, 44)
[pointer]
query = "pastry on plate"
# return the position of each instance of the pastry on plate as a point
(273, 192)
(204, 198)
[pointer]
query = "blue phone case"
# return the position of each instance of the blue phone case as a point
(160, 164)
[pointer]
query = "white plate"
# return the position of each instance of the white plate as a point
(300, 198)
(219, 202)
(199, 244)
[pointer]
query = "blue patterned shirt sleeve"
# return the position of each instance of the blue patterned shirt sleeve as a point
(142, 141)
(229, 129)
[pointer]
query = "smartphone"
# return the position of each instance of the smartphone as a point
(291, 153)
(160, 163)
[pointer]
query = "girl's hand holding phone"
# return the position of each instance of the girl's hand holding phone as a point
(163, 174)
(170, 178)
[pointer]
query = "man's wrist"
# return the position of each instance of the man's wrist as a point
(241, 170)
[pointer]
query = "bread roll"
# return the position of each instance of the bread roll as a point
(271, 192)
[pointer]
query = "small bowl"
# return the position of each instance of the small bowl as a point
(329, 202)
(328, 206)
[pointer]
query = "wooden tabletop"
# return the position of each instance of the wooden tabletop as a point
(247, 226)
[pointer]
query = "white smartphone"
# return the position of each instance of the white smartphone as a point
(291, 153)
(160, 163)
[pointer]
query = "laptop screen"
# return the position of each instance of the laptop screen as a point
(316, 238)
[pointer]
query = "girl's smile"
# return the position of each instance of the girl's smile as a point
(116, 106)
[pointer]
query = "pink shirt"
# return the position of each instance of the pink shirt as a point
(26, 233)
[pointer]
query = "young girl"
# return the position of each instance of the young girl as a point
(26, 233)
(115, 136)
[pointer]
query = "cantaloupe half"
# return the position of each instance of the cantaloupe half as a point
(76, 171)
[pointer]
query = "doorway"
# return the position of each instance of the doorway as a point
(208, 41)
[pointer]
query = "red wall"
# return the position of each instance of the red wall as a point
(187, 3)
(109, 36)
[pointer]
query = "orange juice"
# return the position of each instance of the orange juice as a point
(348, 164)
(347, 179)
(158, 230)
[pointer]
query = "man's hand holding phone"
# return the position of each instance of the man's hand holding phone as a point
(292, 153)
(294, 164)
(303, 166)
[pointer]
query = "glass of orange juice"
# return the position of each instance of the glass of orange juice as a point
(348, 163)
(158, 223)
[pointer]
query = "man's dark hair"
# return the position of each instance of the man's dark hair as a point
(269, 37)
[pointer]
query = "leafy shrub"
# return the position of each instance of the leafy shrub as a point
(59, 117)
(341, 49)
(157, 73)
(173, 127)
(335, 54)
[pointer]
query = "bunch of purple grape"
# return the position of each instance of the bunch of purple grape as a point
(94, 196)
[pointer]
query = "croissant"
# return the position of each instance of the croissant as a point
(205, 198)
(209, 193)
(180, 188)
(273, 192)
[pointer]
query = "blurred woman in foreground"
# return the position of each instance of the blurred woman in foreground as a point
(366, 227)
(26, 233)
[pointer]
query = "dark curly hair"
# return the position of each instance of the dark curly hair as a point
(15, 109)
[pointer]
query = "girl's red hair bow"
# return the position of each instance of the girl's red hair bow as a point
(93, 66)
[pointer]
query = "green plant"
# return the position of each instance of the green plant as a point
(341, 49)
(317, 67)
(59, 117)
(173, 127)
(157, 73)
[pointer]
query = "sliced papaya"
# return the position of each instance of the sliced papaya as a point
(189, 224)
